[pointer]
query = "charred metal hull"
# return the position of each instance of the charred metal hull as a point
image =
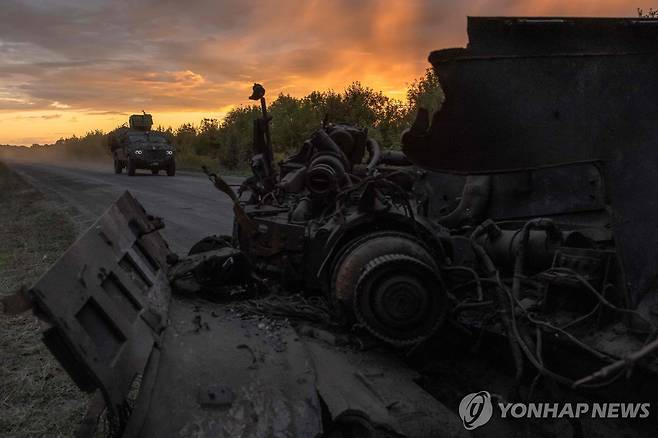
(222, 375)
(175, 366)
(297, 324)
(106, 302)
(542, 92)
(530, 93)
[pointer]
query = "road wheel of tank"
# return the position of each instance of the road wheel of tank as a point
(117, 166)
(391, 285)
(155, 171)
(210, 243)
(131, 167)
(171, 169)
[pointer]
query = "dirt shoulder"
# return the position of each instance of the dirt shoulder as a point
(37, 398)
(184, 162)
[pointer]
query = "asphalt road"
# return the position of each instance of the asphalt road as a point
(191, 207)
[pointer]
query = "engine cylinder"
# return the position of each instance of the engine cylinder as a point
(325, 174)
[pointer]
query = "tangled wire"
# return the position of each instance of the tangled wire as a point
(520, 341)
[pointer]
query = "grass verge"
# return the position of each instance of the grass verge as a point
(37, 398)
(193, 163)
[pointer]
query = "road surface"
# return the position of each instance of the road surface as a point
(191, 207)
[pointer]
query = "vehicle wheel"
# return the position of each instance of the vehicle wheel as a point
(131, 168)
(392, 286)
(171, 169)
(155, 171)
(210, 243)
(117, 166)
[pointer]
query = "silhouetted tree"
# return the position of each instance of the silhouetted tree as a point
(229, 140)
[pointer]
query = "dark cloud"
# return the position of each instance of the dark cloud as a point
(116, 55)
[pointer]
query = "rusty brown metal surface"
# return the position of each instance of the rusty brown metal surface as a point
(16, 303)
(240, 216)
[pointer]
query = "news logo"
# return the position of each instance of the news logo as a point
(475, 409)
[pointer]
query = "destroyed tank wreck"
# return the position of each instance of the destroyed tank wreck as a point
(511, 247)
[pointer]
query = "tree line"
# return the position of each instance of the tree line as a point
(229, 140)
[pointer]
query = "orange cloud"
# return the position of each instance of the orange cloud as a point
(95, 62)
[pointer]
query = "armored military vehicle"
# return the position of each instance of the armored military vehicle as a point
(509, 253)
(139, 147)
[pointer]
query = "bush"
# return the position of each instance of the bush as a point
(229, 141)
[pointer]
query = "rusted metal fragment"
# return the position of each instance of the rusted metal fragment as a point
(106, 300)
(16, 303)
(211, 270)
(381, 392)
(273, 238)
(240, 216)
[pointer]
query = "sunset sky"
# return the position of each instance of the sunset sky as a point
(69, 66)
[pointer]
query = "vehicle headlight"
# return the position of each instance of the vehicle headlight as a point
(138, 152)
(170, 152)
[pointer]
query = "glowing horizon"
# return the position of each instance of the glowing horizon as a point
(71, 66)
